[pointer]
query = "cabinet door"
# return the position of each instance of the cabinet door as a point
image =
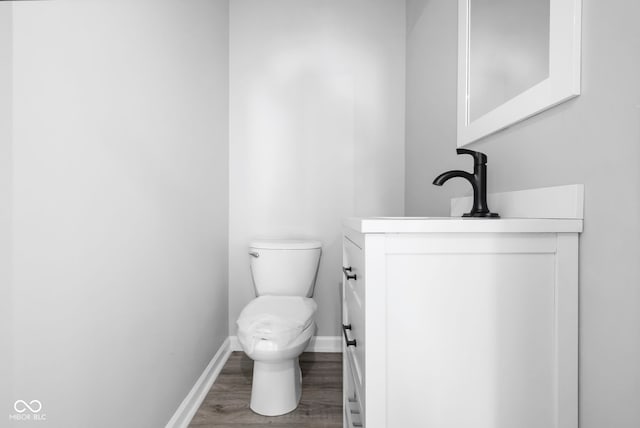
(471, 340)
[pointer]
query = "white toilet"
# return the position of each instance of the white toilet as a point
(275, 327)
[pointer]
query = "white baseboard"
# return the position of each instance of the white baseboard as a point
(235, 343)
(316, 344)
(189, 406)
(325, 344)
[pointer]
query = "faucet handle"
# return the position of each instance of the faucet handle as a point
(479, 158)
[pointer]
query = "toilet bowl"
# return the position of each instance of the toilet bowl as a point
(274, 343)
(276, 327)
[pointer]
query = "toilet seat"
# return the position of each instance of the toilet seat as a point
(278, 320)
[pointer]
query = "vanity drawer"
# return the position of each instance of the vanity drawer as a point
(353, 268)
(353, 409)
(353, 318)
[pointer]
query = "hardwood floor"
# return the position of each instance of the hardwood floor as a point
(227, 403)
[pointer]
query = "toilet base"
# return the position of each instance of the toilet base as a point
(277, 387)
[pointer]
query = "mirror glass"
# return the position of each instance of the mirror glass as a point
(508, 50)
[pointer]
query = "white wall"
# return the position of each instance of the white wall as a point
(593, 139)
(120, 187)
(5, 200)
(316, 129)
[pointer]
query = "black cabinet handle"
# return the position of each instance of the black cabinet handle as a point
(347, 272)
(346, 339)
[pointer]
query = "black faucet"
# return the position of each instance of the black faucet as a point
(478, 181)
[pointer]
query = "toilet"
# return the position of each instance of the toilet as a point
(276, 326)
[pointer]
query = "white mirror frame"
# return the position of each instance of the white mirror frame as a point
(562, 84)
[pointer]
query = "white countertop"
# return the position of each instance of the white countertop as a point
(461, 225)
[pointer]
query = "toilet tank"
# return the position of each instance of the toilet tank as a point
(284, 267)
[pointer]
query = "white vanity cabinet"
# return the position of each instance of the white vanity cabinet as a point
(460, 323)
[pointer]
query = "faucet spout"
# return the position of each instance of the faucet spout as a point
(446, 176)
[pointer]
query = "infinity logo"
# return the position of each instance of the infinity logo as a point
(22, 406)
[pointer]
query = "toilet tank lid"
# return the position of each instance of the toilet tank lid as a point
(285, 244)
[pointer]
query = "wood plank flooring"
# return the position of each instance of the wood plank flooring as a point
(227, 403)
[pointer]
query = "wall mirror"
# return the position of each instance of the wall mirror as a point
(516, 58)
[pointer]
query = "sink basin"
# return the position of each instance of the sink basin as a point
(410, 218)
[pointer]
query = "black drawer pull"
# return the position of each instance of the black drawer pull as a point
(346, 339)
(347, 272)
